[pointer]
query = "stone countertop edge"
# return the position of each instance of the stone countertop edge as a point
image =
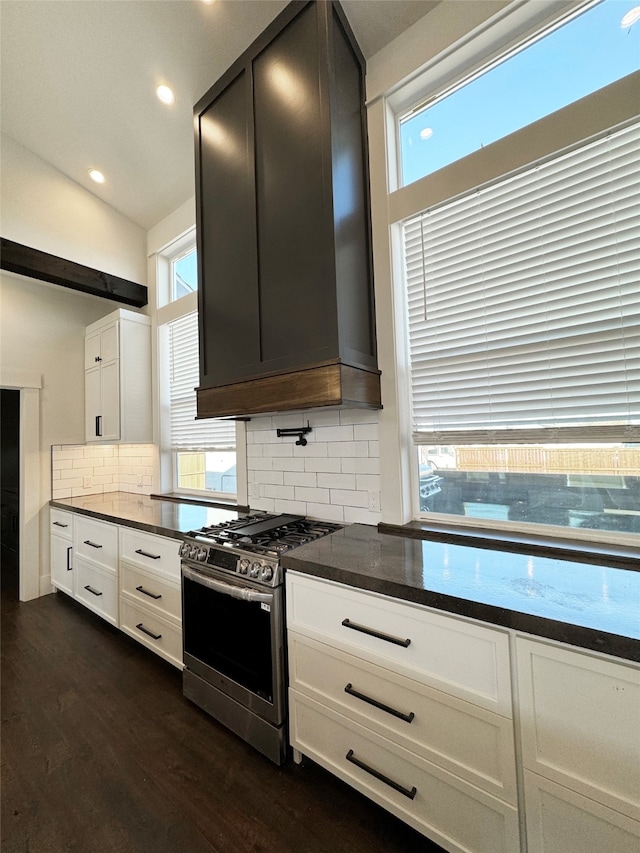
(626, 648)
(115, 519)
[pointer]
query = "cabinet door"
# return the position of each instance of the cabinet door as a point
(61, 564)
(109, 346)
(92, 350)
(92, 403)
(580, 722)
(561, 821)
(228, 304)
(110, 400)
(294, 200)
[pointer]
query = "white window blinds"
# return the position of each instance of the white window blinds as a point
(524, 303)
(186, 432)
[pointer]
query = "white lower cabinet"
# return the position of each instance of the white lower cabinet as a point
(61, 542)
(127, 576)
(95, 566)
(560, 820)
(97, 589)
(411, 707)
(150, 595)
(580, 722)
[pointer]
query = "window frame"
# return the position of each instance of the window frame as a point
(474, 51)
(167, 312)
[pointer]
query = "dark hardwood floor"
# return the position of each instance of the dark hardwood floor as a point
(101, 753)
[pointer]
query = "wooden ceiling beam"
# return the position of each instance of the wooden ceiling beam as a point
(33, 263)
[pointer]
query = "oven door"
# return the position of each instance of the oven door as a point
(233, 636)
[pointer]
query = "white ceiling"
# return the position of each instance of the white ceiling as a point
(79, 80)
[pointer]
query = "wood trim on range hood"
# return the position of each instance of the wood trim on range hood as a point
(322, 385)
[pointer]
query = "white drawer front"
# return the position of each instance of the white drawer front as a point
(561, 821)
(97, 541)
(581, 722)
(449, 811)
(61, 523)
(152, 631)
(152, 591)
(471, 742)
(156, 553)
(461, 658)
(96, 589)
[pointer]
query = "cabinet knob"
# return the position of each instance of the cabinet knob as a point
(97, 358)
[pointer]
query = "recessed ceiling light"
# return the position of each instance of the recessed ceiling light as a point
(165, 94)
(630, 18)
(96, 175)
(426, 133)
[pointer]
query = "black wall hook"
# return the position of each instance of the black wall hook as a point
(299, 431)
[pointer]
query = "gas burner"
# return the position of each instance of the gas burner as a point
(253, 544)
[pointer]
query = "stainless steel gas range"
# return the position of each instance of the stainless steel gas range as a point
(233, 622)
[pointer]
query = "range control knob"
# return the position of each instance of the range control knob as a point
(201, 556)
(254, 571)
(184, 549)
(266, 574)
(243, 566)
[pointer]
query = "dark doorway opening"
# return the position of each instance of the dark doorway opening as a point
(10, 490)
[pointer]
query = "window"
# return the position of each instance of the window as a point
(581, 56)
(523, 319)
(203, 450)
(184, 274)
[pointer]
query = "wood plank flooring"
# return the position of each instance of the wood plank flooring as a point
(101, 753)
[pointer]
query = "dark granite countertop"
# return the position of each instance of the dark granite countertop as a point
(591, 606)
(163, 517)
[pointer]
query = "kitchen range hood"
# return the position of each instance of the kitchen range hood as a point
(286, 307)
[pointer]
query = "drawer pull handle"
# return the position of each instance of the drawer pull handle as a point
(145, 554)
(69, 550)
(60, 524)
(407, 792)
(149, 633)
(408, 718)
(150, 594)
(92, 590)
(92, 544)
(355, 627)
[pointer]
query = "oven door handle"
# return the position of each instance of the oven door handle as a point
(241, 592)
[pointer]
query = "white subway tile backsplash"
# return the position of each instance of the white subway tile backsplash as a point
(278, 492)
(368, 482)
(365, 432)
(356, 515)
(325, 512)
(275, 477)
(336, 481)
(331, 476)
(360, 465)
(334, 433)
(287, 464)
(348, 497)
(349, 448)
(315, 495)
(298, 478)
(320, 463)
(104, 467)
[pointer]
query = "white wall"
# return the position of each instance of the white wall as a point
(41, 325)
(44, 209)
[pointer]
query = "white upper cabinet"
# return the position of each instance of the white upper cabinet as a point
(117, 361)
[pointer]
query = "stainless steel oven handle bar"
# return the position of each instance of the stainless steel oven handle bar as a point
(241, 592)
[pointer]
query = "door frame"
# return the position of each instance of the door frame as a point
(30, 502)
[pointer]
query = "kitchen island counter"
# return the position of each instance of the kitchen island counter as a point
(591, 606)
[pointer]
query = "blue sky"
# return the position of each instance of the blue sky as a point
(580, 57)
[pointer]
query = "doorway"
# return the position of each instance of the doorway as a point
(10, 491)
